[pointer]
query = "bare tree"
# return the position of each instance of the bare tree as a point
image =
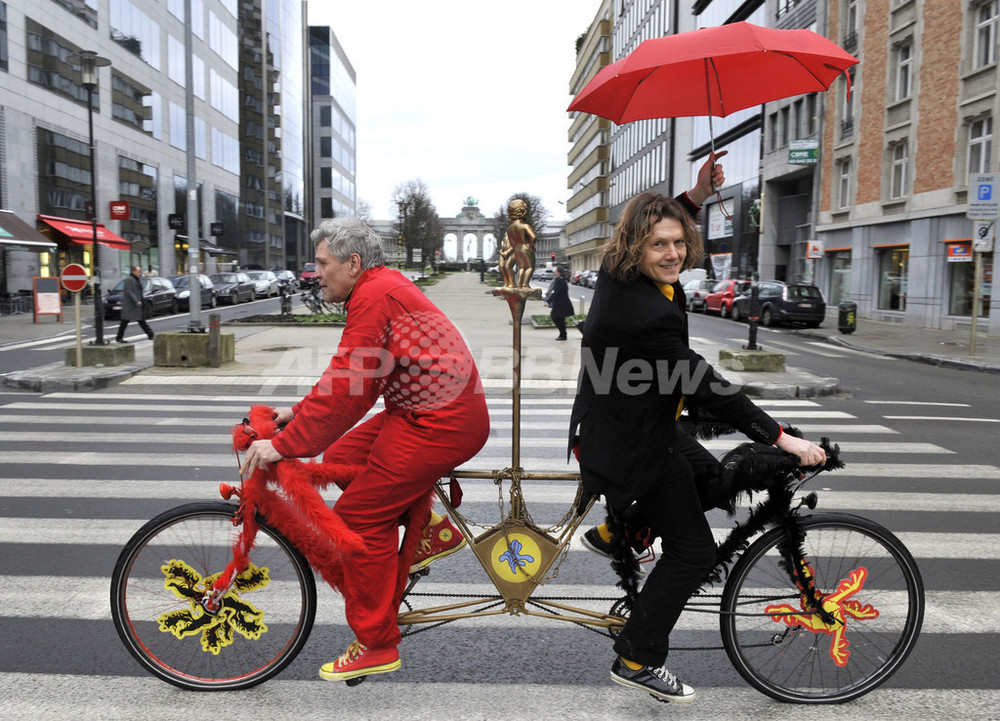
(363, 211)
(417, 222)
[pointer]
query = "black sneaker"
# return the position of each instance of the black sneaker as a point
(657, 681)
(592, 540)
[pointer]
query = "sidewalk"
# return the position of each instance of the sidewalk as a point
(292, 358)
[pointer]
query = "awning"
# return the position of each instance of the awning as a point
(15, 234)
(82, 233)
(208, 247)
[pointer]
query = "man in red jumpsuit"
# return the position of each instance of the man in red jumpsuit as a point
(399, 346)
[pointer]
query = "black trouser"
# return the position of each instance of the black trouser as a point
(142, 324)
(560, 321)
(673, 511)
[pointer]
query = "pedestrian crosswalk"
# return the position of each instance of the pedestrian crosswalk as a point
(83, 472)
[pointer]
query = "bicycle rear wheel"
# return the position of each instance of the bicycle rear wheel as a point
(156, 588)
(868, 580)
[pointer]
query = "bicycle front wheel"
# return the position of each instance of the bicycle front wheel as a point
(161, 576)
(869, 582)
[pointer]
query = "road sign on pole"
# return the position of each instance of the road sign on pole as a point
(983, 232)
(984, 196)
(74, 277)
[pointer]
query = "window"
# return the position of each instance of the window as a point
(811, 118)
(785, 121)
(985, 51)
(797, 124)
(980, 145)
(900, 161)
(904, 69)
(844, 187)
(326, 177)
(847, 109)
(960, 295)
(772, 131)
(893, 264)
(3, 36)
(325, 116)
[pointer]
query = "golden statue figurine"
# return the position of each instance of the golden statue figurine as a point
(518, 247)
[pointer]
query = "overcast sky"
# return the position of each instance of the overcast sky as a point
(468, 96)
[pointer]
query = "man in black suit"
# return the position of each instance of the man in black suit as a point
(557, 298)
(637, 373)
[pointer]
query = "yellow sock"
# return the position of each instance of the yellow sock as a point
(435, 519)
(632, 665)
(605, 534)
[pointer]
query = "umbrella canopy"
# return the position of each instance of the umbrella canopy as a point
(712, 71)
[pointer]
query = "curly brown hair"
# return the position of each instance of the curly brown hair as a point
(623, 254)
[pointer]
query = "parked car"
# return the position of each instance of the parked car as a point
(695, 292)
(287, 280)
(265, 283)
(308, 277)
(576, 276)
(589, 279)
(233, 287)
(158, 295)
(543, 274)
(720, 299)
(493, 270)
(182, 284)
(784, 303)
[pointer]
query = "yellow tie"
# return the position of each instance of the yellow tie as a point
(668, 290)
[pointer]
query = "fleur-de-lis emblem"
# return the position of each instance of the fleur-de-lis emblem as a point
(514, 558)
(234, 615)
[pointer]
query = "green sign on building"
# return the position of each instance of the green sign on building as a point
(803, 152)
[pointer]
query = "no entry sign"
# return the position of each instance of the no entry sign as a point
(74, 277)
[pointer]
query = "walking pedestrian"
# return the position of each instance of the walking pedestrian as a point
(557, 298)
(133, 306)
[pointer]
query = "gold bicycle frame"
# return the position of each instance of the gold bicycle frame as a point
(504, 549)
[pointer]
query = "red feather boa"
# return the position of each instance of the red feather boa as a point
(297, 510)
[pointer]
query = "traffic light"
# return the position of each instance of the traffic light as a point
(553, 257)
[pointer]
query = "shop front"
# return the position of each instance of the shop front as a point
(75, 242)
(24, 254)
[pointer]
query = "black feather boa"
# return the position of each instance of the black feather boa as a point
(747, 469)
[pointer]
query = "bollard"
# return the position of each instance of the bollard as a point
(847, 317)
(583, 305)
(214, 354)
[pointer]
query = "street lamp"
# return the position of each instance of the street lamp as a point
(403, 205)
(88, 62)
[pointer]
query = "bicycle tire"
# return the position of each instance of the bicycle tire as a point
(773, 649)
(192, 656)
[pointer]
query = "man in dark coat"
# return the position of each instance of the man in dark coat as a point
(558, 300)
(132, 306)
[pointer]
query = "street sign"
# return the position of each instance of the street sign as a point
(216, 229)
(119, 209)
(74, 277)
(984, 196)
(983, 233)
(176, 221)
(814, 249)
(803, 152)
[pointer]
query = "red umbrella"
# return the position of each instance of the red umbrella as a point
(712, 71)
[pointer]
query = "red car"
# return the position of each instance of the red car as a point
(307, 278)
(720, 300)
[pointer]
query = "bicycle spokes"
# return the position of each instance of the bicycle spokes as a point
(214, 619)
(839, 604)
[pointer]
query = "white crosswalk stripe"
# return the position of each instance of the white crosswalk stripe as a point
(67, 450)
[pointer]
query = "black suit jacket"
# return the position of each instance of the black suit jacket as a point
(636, 367)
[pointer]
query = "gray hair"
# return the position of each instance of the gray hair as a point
(347, 236)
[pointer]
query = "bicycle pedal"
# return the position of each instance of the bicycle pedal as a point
(355, 681)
